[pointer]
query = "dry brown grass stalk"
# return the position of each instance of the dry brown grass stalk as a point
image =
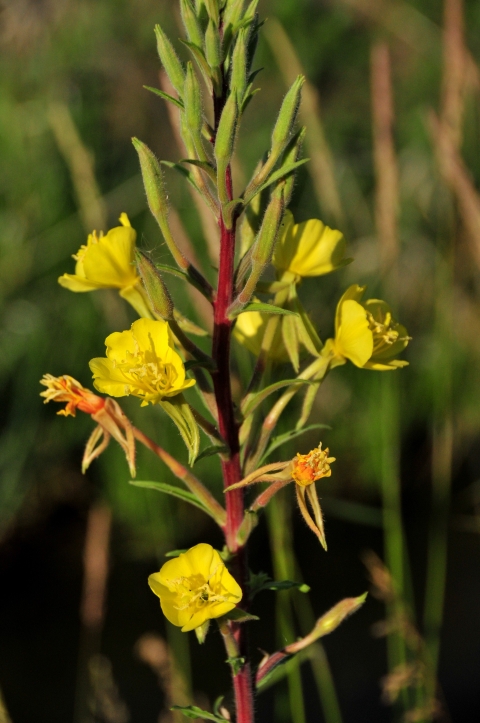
(386, 169)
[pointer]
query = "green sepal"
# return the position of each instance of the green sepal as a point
(176, 101)
(251, 403)
(173, 491)
(192, 711)
(265, 309)
(201, 631)
(282, 439)
(290, 338)
(180, 413)
(247, 99)
(277, 176)
(210, 451)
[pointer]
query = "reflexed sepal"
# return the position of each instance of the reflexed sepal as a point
(180, 413)
(201, 631)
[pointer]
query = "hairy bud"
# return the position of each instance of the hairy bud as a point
(170, 60)
(157, 292)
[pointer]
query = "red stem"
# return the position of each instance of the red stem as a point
(228, 428)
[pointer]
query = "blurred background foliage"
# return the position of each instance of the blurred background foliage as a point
(407, 478)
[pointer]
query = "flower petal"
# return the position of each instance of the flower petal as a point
(354, 340)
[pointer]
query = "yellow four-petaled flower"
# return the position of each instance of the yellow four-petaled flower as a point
(107, 262)
(366, 333)
(195, 587)
(141, 362)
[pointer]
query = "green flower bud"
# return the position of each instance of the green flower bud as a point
(224, 144)
(213, 10)
(192, 25)
(192, 98)
(290, 155)
(287, 117)
(213, 48)
(157, 197)
(170, 60)
(160, 300)
(238, 80)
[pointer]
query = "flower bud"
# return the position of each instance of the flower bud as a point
(157, 292)
(192, 99)
(213, 48)
(287, 117)
(170, 60)
(290, 155)
(224, 144)
(157, 198)
(213, 10)
(190, 21)
(238, 80)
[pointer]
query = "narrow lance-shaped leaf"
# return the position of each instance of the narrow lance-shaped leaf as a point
(181, 414)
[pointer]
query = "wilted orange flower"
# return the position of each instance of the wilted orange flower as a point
(111, 421)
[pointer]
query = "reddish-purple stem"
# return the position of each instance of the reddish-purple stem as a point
(228, 428)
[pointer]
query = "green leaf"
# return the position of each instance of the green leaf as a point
(250, 403)
(276, 176)
(201, 62)
(265, 309)
(204, 166)
(261, 581)
(239, 616)
(180, 413)
(236, 664)
(229, 209)
(210, 451)
(165, 96)
(218, 704)
(196, 363)
(177, 492)
(174, 553)
(288, 436)
(183, 171)
(192, 711)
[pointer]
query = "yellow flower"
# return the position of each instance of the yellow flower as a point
(107, 262)
(366, 333)
(309, 248)
(195, 587)
(141, 362)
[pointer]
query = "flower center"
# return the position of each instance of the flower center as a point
(147, 373)
(195, 592)
(307, 468)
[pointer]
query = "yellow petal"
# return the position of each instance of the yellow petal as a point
(76, 283)
(354, 339)
(354, 292)
(148, 332)
(109, 262)
(320, 249)
(124, 220)
(120, 345)
(135, 297)
(108, 379)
